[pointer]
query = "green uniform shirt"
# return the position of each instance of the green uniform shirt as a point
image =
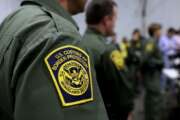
(152, 57)
(136, 49)
(146, 55)
(115, 82)
(150, 67)
(45, 72)
(153, 64)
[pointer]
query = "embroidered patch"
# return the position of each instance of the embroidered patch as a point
(70, 69)
(149, 47)
(118, 59)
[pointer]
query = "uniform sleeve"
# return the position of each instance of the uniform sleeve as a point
(117, 82)
(54, 79)
(153, 56)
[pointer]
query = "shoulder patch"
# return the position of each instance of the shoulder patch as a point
(118, 59)
(70, 70)
(149, 47)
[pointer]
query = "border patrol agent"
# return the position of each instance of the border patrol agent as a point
(153, 64)
(109, 61)
(136, 50)
(45, 72)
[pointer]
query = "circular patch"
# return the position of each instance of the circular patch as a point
(73, 78)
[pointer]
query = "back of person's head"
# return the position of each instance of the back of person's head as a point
(136, 35)
(153, 28)
(136, 31)
(178, 31)
(97, 10)
(124, 39)
(171, 30)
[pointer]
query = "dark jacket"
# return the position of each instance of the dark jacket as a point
(115, 82)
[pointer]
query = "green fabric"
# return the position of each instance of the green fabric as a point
(153, 97)
(150, 66)
(154, 58)
(152, 74)
(116, 85)
(54, 6)
(96, 42)
(27, 91)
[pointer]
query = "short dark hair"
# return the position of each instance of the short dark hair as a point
(153, 28)
(96, 11)
(178, 31)
(171, 30)
(136, 31)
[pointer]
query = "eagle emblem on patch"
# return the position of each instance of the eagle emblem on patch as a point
(70, 70)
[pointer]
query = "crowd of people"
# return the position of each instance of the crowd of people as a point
(168, 44)
(169, 48)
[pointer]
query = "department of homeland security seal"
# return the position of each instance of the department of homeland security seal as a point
(73, 78)
(69, 67)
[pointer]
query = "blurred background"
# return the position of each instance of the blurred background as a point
(132, 14)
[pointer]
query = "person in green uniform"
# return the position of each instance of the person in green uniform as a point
(45, 71)
(109, 62)
(124, 46)
(152, 68)
(136, 50)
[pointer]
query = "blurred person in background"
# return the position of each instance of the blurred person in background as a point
(112, 73)
(136, 48)
(177, 40)
(168, 47)
(151, 70)
(124, 46)
(112, 39)
(136, 43)
(174, 110)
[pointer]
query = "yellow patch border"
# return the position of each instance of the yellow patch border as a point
(56, 84)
